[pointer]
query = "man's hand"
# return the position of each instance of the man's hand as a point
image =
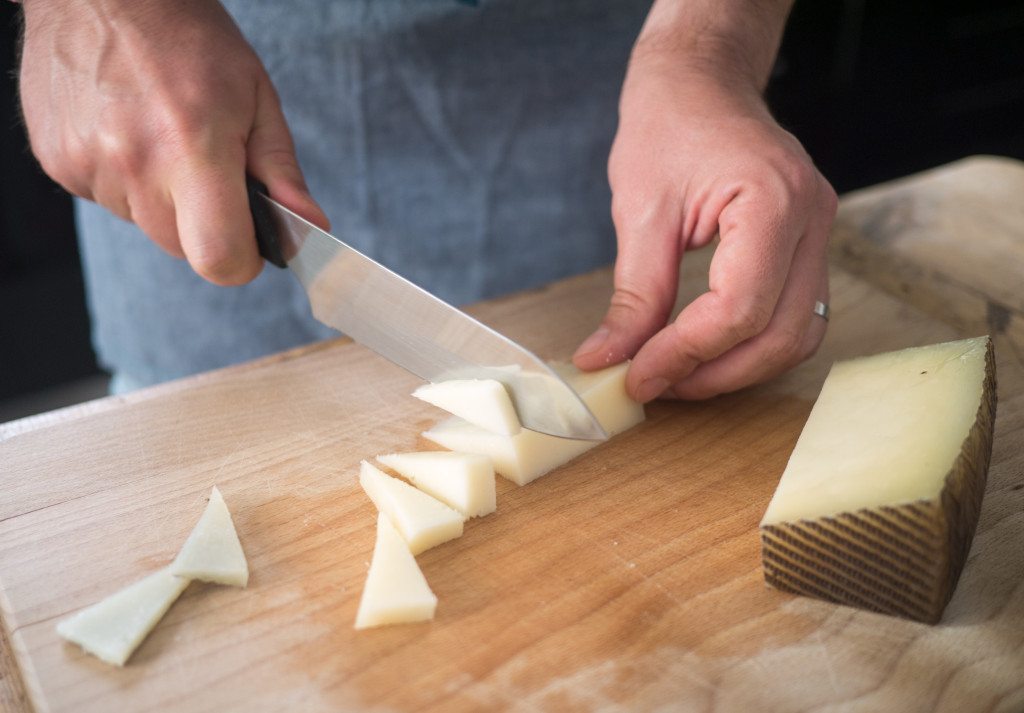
(698, 155)
(156, 110)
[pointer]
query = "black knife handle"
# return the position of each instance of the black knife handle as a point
(266, 229)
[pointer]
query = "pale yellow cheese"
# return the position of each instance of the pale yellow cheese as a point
(885, 430)
(422, 520)
(528, 455)
(212, 552)
(112, 628)
(881, 496)
(484, 402)
(463, 481)
(395, 591)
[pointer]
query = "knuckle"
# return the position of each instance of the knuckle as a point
(280, 159)
(185, 126)
(118, 147)
(634, 214)
(746, 318)
(684, 352)
(628, 300)
(800, 175)
(58, 168)
(622, 213)
(639, 301)
(830, 200)
(636, 307)
(808, 349)
(792, 186)
(785, 348)
(65, 162)
(218, 263)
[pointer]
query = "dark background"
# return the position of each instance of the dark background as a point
(874, 90)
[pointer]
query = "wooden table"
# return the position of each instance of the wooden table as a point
(627, 580)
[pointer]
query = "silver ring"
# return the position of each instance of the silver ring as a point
(821, 309)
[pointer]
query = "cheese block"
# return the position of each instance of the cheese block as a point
(212, 552)
(878, 503)
(422, 520)
(462, 481)
(528, 455)
(112, 628)
(484, 402)
(395, 591)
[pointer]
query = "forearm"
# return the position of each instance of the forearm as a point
(730, 41)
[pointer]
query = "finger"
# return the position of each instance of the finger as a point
(111, 195)
(154, 214)
(646, 279)
(270, 157)
(747, 277)
(213, 220)
(792, 335)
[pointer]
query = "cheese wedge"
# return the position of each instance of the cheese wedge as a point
(878, 503)
(395, 591)
(212, 552)
(462, 481)
(484, 402)
(528, 455)
(421, 520)
(112, 628)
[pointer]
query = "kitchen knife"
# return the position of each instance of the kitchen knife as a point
(409, 326)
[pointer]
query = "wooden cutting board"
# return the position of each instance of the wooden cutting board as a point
(628, 580)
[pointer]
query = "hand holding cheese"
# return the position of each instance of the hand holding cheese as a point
(697, 157)
(880, 498)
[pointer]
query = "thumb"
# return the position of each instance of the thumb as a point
(646, 282)
(270, 157)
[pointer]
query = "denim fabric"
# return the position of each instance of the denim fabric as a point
(464, 146)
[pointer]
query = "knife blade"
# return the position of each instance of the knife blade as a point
(407, 325)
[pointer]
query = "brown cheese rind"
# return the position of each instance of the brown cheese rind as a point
(903, 560)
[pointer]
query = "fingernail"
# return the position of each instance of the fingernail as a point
(651, 389)
(593, 342)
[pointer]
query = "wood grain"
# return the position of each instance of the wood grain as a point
(949, 241)
(628, 580)
(12, 693)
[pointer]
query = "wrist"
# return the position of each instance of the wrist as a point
(657, 79)
(732, 43)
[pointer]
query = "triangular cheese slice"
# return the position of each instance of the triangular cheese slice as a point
(483, 402)
(212, 553)
(528, 455)
(421, 520)
(395, 591)
(111, 629)
(463, 481)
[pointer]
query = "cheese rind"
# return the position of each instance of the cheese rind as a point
(396, 590)
(880, 498)
(113, 628)
(528, 455)
(422, 521)
(212, 552)
(462, 481)
(483, 402)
